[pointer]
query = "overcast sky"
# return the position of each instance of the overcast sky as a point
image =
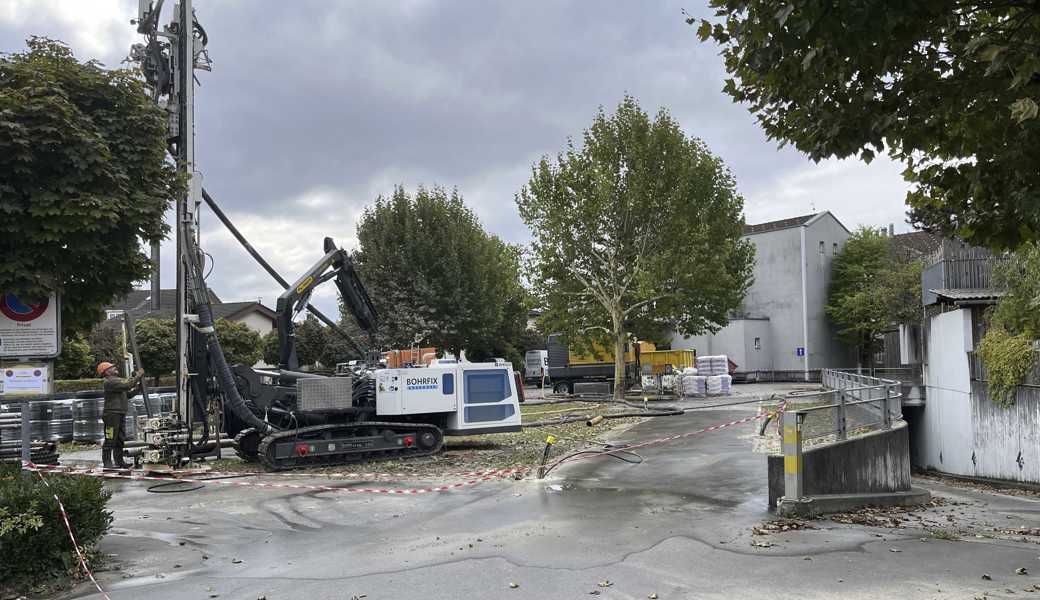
(314, 108)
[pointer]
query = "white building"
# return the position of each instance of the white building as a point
(781, 324)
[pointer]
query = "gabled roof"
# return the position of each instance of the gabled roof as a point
(778, 225)
(138, 304)
(917, 243)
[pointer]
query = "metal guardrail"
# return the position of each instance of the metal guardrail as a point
(878, 401)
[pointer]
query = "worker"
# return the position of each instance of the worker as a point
(114, 415)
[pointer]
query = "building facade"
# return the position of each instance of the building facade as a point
(781, 325)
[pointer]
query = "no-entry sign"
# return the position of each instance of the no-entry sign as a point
(29, 329)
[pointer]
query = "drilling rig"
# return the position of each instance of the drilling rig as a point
(282, 417)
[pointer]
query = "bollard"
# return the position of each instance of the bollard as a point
(549, 441)
(793, 455)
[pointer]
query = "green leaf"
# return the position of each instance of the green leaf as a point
(809, 56)
(1023, 109)
(990, 53)
(704, 31)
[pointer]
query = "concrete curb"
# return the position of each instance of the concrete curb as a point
(815, 506)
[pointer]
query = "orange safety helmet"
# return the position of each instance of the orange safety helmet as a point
(101, 368)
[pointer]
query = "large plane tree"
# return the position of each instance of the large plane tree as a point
(636, 230)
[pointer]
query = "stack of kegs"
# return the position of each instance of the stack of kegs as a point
(40, 414)
(86, 425)
(60, 427)
(10, 422)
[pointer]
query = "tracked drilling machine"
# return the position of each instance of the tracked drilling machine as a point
(283, 417)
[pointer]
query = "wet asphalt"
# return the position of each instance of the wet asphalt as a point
(678, 525)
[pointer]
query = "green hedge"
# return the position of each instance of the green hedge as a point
(79, 385)
(34, 545)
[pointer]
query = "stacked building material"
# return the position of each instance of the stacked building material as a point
(713, 365)
(720, 385)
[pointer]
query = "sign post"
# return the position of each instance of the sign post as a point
(29, 331)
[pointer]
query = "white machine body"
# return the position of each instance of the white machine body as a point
(474, 397)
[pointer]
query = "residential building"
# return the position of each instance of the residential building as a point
(138, 303)
(781, 325)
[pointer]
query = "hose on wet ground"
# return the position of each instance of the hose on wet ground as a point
(159, 487)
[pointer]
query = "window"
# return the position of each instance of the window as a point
(823, 247)
(758, 343)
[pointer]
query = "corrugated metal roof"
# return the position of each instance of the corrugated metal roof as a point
(957, 294)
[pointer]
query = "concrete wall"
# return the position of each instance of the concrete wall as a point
(824, 350)
(943, 431)
(777, 293)
(737, 341)
(874, 463)
(761, 358)
(960, 430)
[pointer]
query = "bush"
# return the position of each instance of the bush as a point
(34, 545)
(1008, 360)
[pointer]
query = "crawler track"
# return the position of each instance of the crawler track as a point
(346, 443)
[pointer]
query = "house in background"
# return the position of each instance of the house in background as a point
(138, 303)
(781, 325)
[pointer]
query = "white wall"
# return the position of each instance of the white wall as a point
(777, 293)
(823, 348)
(257, 322)
(759, 359)
(944, 437)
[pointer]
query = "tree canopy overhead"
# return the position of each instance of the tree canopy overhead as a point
(434, 274)
(84, 180)
(949, 88)
(638, 229)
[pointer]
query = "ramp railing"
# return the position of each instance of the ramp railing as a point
(852, 403)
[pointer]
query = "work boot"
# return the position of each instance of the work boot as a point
(117, 455)
(106, 458)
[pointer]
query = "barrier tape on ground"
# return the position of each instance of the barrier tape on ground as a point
(665, 440)
(354, 476)
(498, 474)
(68, 528)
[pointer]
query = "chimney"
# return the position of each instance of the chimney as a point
(891, 230)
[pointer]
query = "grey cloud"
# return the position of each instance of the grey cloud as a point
(352, 98)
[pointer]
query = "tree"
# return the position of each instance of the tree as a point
(338, 350)
(434, 274)
(951, 89)
(638, 229)
(1006, 349)
(311, 337)
(241, 345)
(157, 343)
(105, 344)
(75, 361)
(873, 287)
(85, 180)
(270, 348)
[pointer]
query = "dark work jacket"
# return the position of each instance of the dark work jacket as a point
(115, 394)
